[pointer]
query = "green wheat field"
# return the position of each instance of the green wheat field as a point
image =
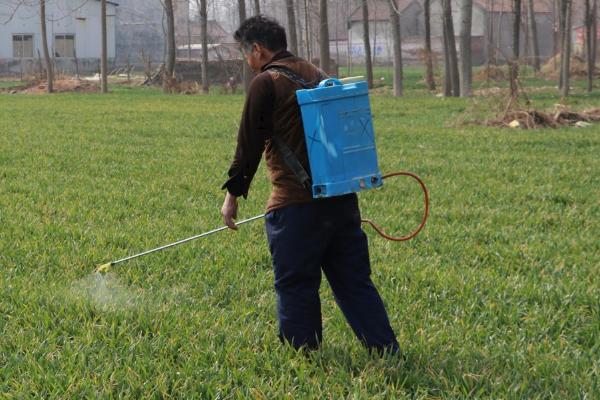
(498, 298)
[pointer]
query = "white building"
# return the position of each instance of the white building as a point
(73, 31)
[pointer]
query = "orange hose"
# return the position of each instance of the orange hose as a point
(425, 215)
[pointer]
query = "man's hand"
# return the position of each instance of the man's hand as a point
(229, 210)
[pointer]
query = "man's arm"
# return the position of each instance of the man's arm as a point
(255, 126)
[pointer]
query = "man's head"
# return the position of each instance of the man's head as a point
(260, 38)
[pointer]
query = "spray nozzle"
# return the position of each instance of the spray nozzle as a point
(103, 268)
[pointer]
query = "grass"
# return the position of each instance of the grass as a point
(414, 78)
(7, 84)
(497, 298)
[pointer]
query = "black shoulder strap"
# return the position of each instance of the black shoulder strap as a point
(294, 77)
(292, 162)
(288, 156)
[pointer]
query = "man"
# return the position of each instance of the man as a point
(305, 235)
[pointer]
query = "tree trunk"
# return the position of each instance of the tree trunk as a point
(204, 41)
(489, 29)
(245, 68)
(291, 17)
(454, 78)
(324, 37)
(337, 42)
(514, 64)
(300, 36)
(561, 37)
(307, 31)
(397, 39)
(47, 59)
(374, 48)
(367, 43)
(566, 53)
(189, 35)
(588, 45)
(104, 56)
(170, 61)
(447, 69)
(349, 51)
(595, 34)
(428, 55)
(256, 7)
(525, 30)
(555, 29)
(498, 45)
(466, 70)
(534, 38)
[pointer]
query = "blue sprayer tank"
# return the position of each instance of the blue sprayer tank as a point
(339, 135)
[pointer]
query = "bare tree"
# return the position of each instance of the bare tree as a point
(490, 36)
(428, 55)
(514, 63)
(366, 40)
(337, 46)
(323, 36)
(534, 37)
(447, 84)
(300, 36)
(466, 70)
(189, 35)
(170, 44)
(245, 68)
(47, 59)
(499, 29)
(451, 59)
(566, 48)
(374, 48)
(307, 31)
(256, 7)
(396, 37)
(589, 26)
(561, 38)
(291, 17)
(104, 56)
(204, 40)
(595, 30)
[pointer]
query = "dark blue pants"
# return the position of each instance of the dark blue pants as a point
(325, 234)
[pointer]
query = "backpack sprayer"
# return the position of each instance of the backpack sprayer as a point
(340, 141)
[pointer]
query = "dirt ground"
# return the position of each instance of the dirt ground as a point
(551, 68)
(60, 86)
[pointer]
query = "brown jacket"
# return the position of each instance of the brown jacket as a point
(271, 108)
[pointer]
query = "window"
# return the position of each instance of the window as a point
(22, 46)
(64, 45)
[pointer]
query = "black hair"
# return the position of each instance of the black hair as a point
(262, 30)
